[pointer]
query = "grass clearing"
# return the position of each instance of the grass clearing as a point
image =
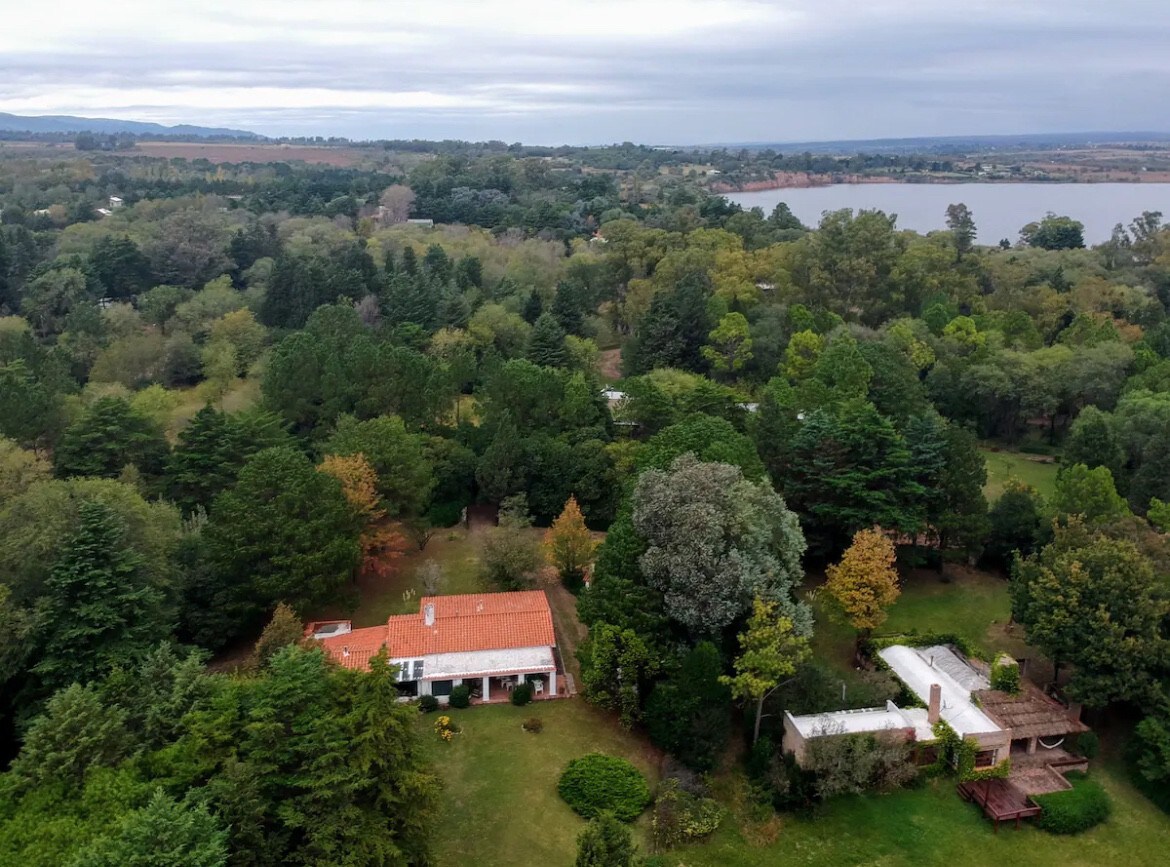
(1035, 470)
(456, 550)
(931, 825)
(500, 801)
(963, 601)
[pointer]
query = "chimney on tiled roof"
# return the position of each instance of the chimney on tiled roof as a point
(935, 707)
(429, 614)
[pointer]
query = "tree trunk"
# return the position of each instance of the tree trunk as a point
(759, 716)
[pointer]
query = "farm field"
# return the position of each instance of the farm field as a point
(224, 152)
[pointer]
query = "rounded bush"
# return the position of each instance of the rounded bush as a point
(1088, 744)
(428, 703)
(521, 694)
(533, 725)
(1074, 810)
(597, 783)
(461, 696)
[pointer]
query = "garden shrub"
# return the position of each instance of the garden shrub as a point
(445, 514)
(1005, 675)
(681, 817)
(533, 725)
(428, 703)
(855, 763)
(461, 696)
(521, 694)
(598, 783)
(1088, 745)
(778, 779)
(1074, 810)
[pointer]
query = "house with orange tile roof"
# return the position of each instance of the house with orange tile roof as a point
(488, 641)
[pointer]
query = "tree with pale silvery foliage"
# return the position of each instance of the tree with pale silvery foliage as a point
(715, 541)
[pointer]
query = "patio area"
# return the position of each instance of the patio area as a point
(498, 690)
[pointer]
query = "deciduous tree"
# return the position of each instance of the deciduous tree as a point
(714, 541)
(380, 541)
(770, 651)
(865, 583)
(1094, 603)
(569, 545)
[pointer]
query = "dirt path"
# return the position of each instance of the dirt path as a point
(569, 629)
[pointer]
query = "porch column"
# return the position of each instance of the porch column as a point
(552, 683)
(487, 691)
(1031, 746)
(519, 679)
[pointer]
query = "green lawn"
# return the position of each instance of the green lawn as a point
(457, 553)
(1034, 470)
(500, 804)
(500, 807)
(932, 826)
(969, 603)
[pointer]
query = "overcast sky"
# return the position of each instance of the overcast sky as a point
(597, 71)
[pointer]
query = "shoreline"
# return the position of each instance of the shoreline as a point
(804, 181)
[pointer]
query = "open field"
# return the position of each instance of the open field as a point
(220, 152)
(500, 803)
(1035, 470)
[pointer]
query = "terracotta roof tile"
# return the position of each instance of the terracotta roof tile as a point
(463, 623)
(355, 649)
(475, 621)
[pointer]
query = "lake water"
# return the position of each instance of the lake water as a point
(1000, 210)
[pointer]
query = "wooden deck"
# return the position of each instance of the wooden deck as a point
(1000, 800)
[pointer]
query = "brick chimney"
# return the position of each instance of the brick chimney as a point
(1074, 711)
(935, 706)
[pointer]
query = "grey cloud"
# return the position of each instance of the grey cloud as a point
(888, 68)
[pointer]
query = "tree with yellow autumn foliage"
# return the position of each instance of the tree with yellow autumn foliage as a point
(865, 583)
(568, 543)
(381, 542)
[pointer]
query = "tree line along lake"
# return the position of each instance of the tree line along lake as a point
(1000, 209)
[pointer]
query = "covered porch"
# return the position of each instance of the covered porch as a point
(493, 675)
(494, 689)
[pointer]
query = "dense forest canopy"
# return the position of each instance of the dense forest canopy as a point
(228, 388)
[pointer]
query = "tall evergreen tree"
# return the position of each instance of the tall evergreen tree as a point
(109, 436)
(546, 344)
(284, 532)
(213, 448)
(102, 609)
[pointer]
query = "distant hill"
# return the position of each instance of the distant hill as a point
(63, 123)
(957, 143)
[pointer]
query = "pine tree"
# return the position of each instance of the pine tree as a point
(546, 344)
(283, 629)
(108, 437)
(164, 833)
(102, 611)
(76, 732)
(569, 545)
(606, 842)
(865, 582)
